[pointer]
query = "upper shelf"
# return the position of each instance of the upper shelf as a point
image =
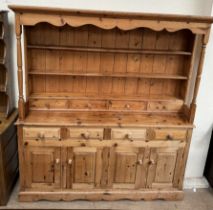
(110, 50)
(113, 74)
(71, 95)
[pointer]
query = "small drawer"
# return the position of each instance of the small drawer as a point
(86, 133)
(41, 133)
(128, 134)
(127, 105)
(165, 105)
(48, 104)
(170, 134)
(88, 104)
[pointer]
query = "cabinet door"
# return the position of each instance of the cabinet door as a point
(43, 167)
(83, 165)
(163, 167)
(128, 170)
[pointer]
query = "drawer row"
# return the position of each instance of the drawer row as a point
(55, 133)
(111, 105)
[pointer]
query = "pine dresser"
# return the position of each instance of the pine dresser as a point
(106, 102)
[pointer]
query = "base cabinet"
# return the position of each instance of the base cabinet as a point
(103, 166)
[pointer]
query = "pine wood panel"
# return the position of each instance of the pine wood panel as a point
(162, 167)
(81, 167)
(44, 167)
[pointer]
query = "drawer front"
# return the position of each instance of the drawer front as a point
(128, 134)
(88, 104)
(86, 133)
(170, 134)
(41, 133)
(127, 105)
(68, 104)
(165, 106)
(48, 104)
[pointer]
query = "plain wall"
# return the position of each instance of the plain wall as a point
(204, 114)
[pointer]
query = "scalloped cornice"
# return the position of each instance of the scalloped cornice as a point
(109, 23)
(30, 15)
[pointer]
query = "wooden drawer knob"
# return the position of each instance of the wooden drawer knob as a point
(89, 105)
(129, 136)
(85, 135)
(169, 137)
(127, 106)
(38, 137)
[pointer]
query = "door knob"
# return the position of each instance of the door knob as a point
(57, 161)
(169, 137)
(140, 162)
(151, 162)
(70, 161)
(85, 135)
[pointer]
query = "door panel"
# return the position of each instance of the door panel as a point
(162, 167)
(43, 167)
(84, 167)
(129, 168)
(82, 163)
(125, 167)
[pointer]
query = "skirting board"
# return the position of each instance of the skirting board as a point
(110, 195)
(196, 182)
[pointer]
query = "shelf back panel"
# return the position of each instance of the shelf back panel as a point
(89, 49)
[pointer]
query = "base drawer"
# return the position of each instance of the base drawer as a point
(128, 134)
(85, 133)
(170, 134)
(41, 133)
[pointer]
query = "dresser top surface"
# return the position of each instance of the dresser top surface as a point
(105, 119)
